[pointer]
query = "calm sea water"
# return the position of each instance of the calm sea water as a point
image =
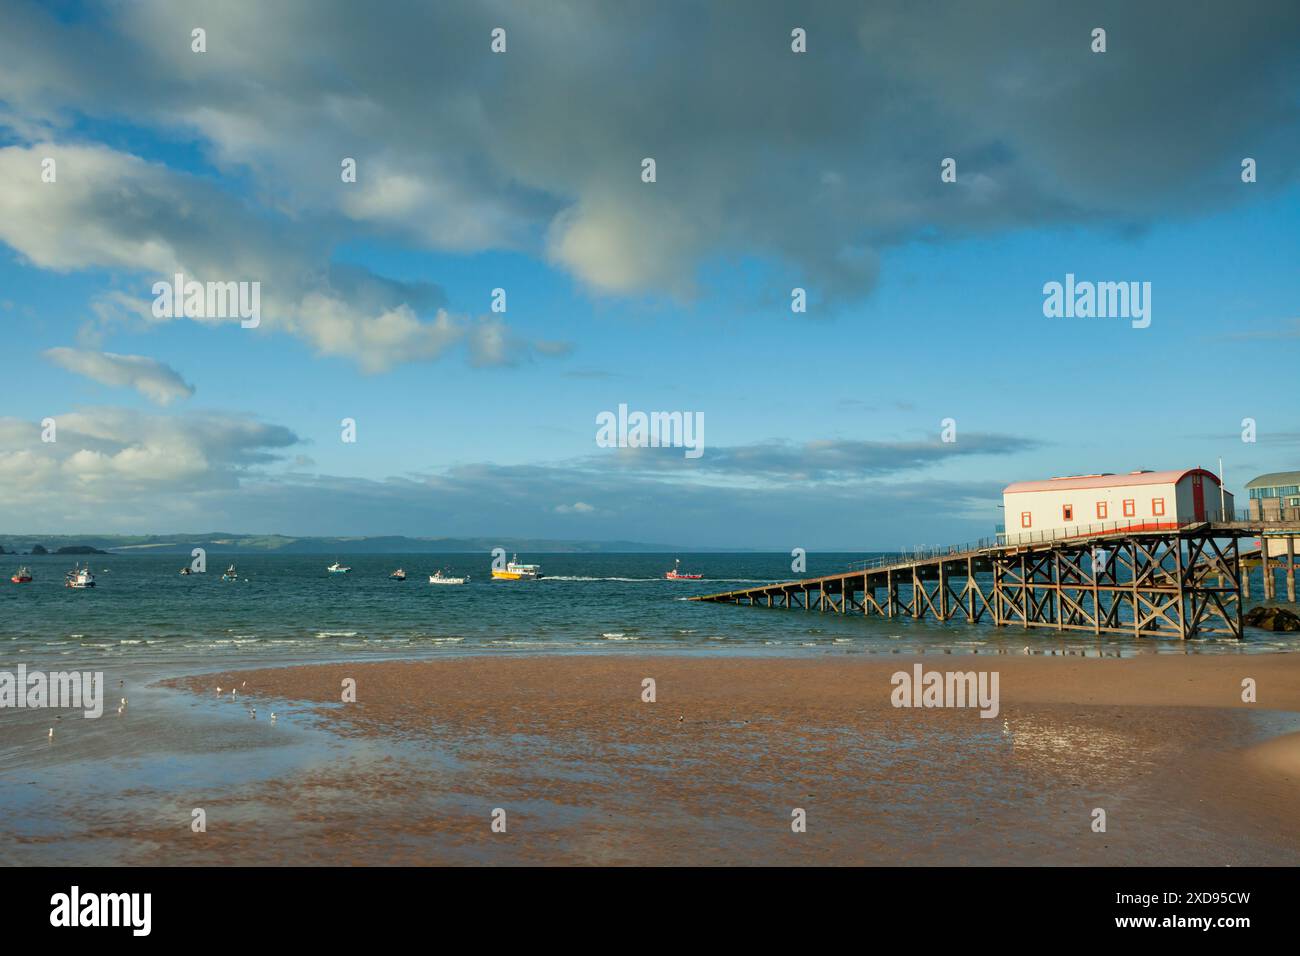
(287, 608)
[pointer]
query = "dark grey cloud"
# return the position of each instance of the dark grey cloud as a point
(814, 162)
(824, 460)
(538, 501)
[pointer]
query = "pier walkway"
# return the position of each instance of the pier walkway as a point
(1138, 580)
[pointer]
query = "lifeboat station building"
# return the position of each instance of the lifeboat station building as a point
(1080, 505)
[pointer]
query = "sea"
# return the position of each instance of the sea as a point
(117, 790)
(145, 617)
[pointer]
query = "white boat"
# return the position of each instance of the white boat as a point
(231, 574)
(438, 578)
(515, 571)
(398, 575)
(337, 568)
(79, 578)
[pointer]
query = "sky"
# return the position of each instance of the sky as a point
(523, 170)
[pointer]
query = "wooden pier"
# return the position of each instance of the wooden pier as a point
(1178, 583)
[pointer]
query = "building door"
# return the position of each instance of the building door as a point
(1198, 497)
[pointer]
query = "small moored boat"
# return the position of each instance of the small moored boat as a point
(438, 578)
(398, 575)
(231, 574)
(337, 568)
(187, 570)
(23, 576)
(79, 578)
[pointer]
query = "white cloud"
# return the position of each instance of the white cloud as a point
(112, 210)
(157, 382)
(115, 466)
(815, 161)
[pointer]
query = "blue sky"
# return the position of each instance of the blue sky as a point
(521, 171)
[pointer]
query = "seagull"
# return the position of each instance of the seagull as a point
(123, 701)
(218, 690)
(244, 684)
(253, 713)
(233, 691)
(51, 737)
(680, 718)
(1026, 650)
(272, 715)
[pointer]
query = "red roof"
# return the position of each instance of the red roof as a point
(1107, 481)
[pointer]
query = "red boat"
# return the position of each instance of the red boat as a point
(22, 577)
(676, 573)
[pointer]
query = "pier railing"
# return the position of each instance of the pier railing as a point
(1016, 539)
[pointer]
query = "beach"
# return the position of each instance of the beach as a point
(576, 767)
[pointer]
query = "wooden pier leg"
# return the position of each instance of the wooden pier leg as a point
(916, 592)
(890, 594)
(971, 590)
(943, 593)
(1056, 573)
(1239, 573)
(1244, 574)
(997, 590)
(1137, 603)
(1183, 632)
(1096, 593)
(1263, 566)
(1290, 569)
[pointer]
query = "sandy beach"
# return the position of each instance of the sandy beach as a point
(587, 772)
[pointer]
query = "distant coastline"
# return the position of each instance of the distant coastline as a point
(228, 543)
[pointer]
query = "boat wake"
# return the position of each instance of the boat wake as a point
(577, 577)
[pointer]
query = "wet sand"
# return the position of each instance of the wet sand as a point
(711, 772)
(588, 773)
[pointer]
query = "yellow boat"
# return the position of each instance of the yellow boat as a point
(514, 571)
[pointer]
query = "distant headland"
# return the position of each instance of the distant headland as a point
(225, 543)
(39, 549)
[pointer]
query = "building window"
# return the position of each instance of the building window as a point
(1026, 519)
(1101, 509)
(1158, 507)
(1130, 507)
(1067, 512)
